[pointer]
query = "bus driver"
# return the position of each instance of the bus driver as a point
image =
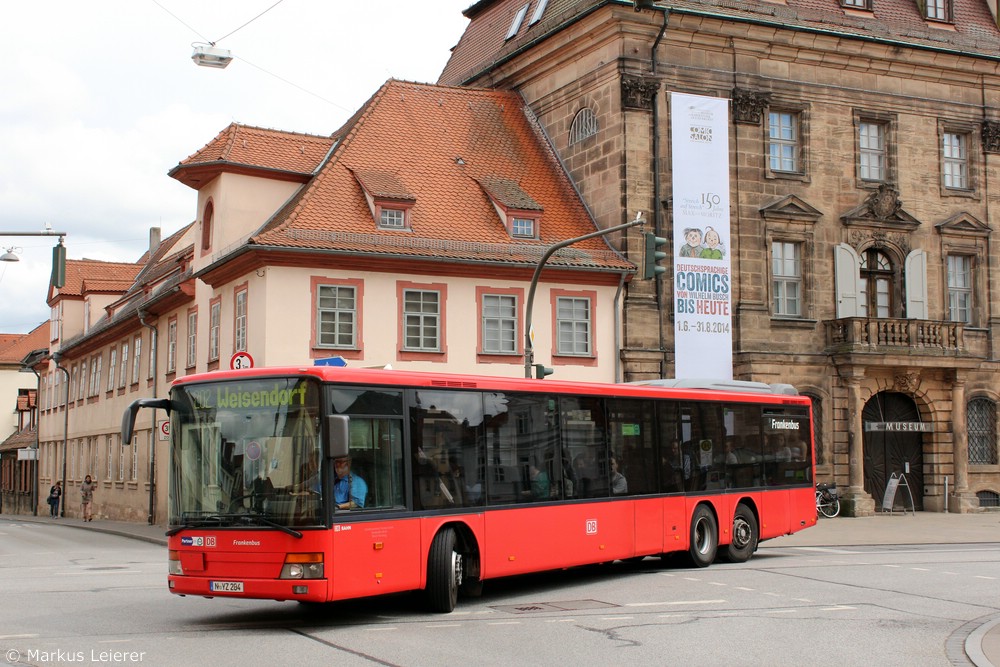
(349, 490)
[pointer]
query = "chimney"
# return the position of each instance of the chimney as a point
(154, 240)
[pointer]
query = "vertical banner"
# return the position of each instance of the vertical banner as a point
(703, 340)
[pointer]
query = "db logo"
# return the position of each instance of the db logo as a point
(592, 526)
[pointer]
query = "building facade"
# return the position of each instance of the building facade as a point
(864, 148)
(408, 238)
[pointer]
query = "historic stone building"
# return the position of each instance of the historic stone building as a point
(864, 152)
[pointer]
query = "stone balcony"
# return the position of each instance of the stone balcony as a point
(936, 338)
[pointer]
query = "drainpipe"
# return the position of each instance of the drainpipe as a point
(618, 327)
(57, 358)
(35, 418)
(154, 349)
(657, 214)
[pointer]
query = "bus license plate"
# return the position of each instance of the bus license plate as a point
(226, 586)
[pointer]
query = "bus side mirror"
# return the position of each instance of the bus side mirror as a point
(128, 419)
(337, 436)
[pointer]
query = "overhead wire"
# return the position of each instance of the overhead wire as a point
(279, 78)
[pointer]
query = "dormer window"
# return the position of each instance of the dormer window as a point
(938, 10)
(392, 218)
(519, 213)
(522, 227)
(856, 4)
(388, 199)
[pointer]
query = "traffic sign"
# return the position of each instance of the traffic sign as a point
(164, 428)
(241, 360)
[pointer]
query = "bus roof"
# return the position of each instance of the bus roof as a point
(736, 390)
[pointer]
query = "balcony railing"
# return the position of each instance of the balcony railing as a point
(900, 336)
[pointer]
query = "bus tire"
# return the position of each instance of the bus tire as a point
(444, 572)
(704, 537)
(746, 534)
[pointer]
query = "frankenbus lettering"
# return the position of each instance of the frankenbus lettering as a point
(784, 425)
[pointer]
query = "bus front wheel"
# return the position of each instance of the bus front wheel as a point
(704, 537)
(444, 572)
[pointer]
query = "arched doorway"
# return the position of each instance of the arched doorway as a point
(891, 441)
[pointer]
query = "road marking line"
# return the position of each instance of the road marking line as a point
(716, 583)
(776, 595)
(838, 608)
(444, 625)
(561, 620)
(980, 576)
(504, 623)
(692, 579)
(782, 611)
(381, 629)
(17, 636)
(920, 569)
(743, 588)
(672, 603)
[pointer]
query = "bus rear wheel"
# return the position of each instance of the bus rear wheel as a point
(444, 572)
(704, 537)
(746, 534)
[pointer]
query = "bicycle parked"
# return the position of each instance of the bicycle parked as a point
(827, 502)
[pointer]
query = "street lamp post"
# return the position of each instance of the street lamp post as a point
(529, 352)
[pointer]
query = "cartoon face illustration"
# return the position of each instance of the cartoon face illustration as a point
(692, 236)
(712, 239)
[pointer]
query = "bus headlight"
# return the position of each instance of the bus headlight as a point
(174, 563)
(302, 566)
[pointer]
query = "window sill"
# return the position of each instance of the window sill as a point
(793, 322)
(787, 176)
(961, 193)
(568, 360)
(500, 357)
(413, 355)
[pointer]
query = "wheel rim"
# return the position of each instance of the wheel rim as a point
(702, 541)
(742, 533)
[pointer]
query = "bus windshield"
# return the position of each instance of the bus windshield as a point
(246, 453)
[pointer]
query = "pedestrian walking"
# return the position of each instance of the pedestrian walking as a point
(55, 495)
(87, 498)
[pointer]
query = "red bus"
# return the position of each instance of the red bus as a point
(323, 483)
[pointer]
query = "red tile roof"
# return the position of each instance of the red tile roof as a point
(484, 42)
(438, 143)
(91, 275)
(19, 440)
(14, 347)
(253, 148)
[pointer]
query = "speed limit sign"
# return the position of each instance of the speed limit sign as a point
(241, 360)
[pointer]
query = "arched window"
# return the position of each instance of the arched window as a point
(206, 227)
(988, 498)
(876, 284)
(584, 126)
(981, 425)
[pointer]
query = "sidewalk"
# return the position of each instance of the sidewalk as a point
(982, 645)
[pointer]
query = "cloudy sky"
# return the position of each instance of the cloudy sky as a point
(101, 99)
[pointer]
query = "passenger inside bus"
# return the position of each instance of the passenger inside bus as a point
(619, 485)
(539, 483)
(349, 490)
